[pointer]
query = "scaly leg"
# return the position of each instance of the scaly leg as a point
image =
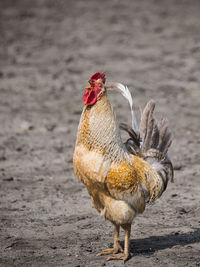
(123, 256)
(117, 247)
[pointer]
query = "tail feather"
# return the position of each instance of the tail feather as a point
(155, 136)
(126, 94)
(144, 122)
(147, 125)
(131, 132)
(165, 137)
(166, 142)
(151, 142)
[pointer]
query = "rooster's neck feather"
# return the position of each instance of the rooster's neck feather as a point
(98, 130)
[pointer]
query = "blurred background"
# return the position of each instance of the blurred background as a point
(48, 51)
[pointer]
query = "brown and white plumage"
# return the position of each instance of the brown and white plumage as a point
(120, 178)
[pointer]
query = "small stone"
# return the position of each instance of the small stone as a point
(9, 179)
(50, 126)
(25, 126)
(2, 153)
(181, 210)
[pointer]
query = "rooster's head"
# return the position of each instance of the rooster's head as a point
(96, 88)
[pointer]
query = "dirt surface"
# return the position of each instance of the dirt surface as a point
(48, 50)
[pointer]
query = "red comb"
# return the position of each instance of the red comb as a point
(98, 75)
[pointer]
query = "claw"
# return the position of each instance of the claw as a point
(120, 256)
(108, 251)
(114, 250)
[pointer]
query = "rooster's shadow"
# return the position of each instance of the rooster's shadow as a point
(152, 244)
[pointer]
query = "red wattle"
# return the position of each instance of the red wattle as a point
(90, 97)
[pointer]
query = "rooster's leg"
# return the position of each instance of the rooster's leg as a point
(117, 247)
(123, 256)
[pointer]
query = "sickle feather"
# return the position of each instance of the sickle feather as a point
(126, 94)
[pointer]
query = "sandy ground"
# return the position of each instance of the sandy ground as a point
(48, 50)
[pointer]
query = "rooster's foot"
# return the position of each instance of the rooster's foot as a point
(114, 250)
(120, 256)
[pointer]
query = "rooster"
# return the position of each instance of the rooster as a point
(121, 178)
